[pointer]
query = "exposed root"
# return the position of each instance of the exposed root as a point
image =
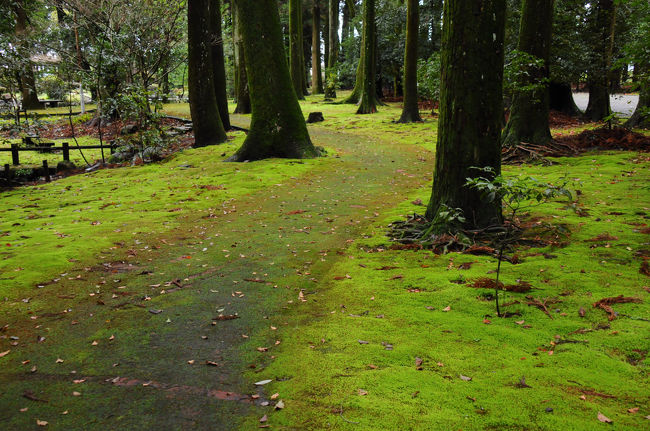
(606, 303)
(542, 305)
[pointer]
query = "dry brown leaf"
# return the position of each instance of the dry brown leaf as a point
(362, 392)
(447, 308)
(5, 353)
(41, 423)
(603, 418)
(633, 410)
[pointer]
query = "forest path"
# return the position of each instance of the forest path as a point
(116, 361)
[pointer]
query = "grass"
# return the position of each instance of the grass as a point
(324, 375)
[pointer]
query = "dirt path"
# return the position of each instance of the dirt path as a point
(134, 357)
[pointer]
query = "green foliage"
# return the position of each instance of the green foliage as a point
(522, 73)
(516, 193)
(429, 77)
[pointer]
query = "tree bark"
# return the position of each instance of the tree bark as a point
(218, 63)
(641, 117)
(561, 99)
(603, 25)
(368, 98)
(295, 46)
(529, 111)
(208, 128)
(241, 79)
(333, 56)
(410, 109)
(26, 80)
(277, 127)
(471, 106)
(316, 71)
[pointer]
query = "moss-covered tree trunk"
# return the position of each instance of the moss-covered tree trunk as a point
(603, 26)
(241, 79)
(471, 106)
(368, 97)
(206, 121)
(26, 80)
(277, 127)
(641, 116)
(218, 63)
(333, 55)
(316, 71)
(295, 46)
(411, 110)
(561, 98)
(355, 96)
(326, 37)
(530, 105)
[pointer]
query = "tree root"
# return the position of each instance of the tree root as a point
(526, 153)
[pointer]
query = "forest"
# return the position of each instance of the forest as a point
(324, 214)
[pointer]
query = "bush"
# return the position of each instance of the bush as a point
(429, 77)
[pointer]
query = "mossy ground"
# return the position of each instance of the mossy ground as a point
(300, 229)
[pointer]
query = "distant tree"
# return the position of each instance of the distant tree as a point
(637, 51)
(529, 112)
(316, 71)
(469, 129)
(602, 19)
(333, 54)
(206, 120)
(242, 94)
(277, 127)
(218, 63)
(368, 97)
(25, 76)
(410, 110)
(295, 46)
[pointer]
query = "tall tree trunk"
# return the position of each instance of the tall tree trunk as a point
(411, 110)
(295, 46)
(333, 31)
(561, 99)
(26, 81)
(355, 96)
(368, 99)
(530, 106)
(345, 25)
(277, 127)
(641, 116)
(598, 75)
(241, 79)
(326, 38)
(316, 71)
(218, 63)
(208, 128)
(471, 106)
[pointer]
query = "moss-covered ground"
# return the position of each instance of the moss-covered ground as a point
(110, 284)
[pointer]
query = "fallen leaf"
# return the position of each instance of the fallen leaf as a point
(263, 382)
(467, 379)
(363, 342)
(41, 423)
(5, 353)
(362, 392)
(76, 394)
(633, 410)
(211, 363)
(263, 419)
(418, 363)
(447, 308)
(603, 418)
(372, 366)
(275, 395)
(279, 405)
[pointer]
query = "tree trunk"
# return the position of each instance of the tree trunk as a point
(603, 24)
(218, 63)
(411, 110)
(641, 117)
(277, 127)
(355, 96)
(241, 79)
(561, 99)
(26, 81)
(208, 128)
(295, 46)
(368, 99)
(530, 107)
(471, 106)
(331, 72)
(326, 39)
(316, 72)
